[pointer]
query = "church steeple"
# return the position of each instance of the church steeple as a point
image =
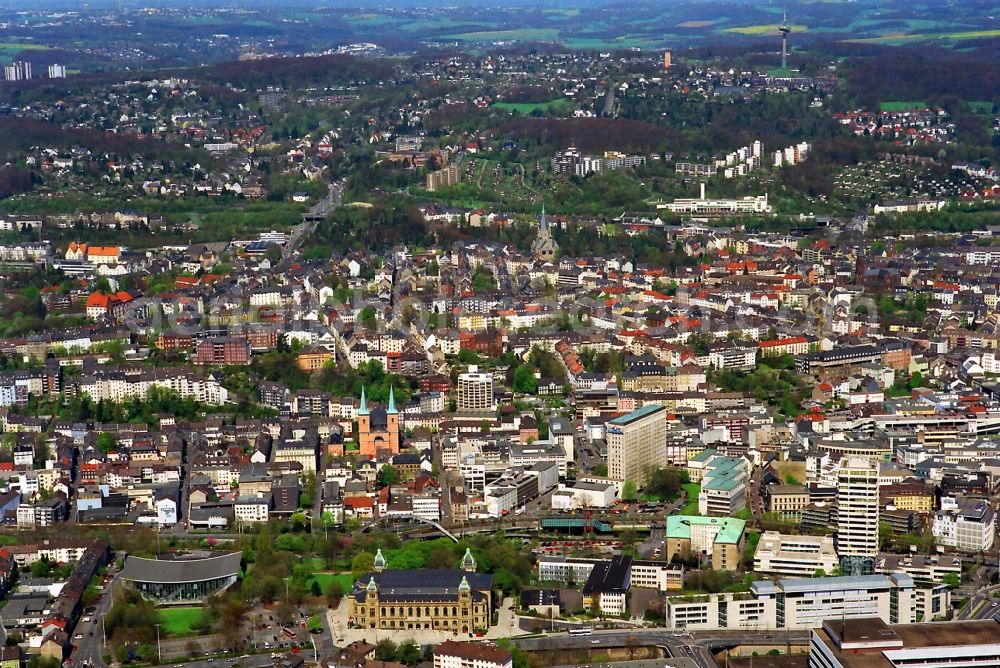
(544, 223)
(363, 409)
(391, 410)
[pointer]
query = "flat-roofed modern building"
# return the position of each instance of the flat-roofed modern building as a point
(780, 554)
(797, 603)
(720, 539)
(637, 444)
(181, 580)
(871, 643)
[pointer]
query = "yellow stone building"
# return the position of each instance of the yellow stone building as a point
(448, 600)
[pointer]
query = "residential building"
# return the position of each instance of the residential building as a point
(475, 391)
(969, 528)
(222, 351)
(442, 178)
(479, 654)
(857, 507)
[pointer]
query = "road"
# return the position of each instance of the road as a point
(982, 605)
(89, 647)
(312, 217)
(697, 646)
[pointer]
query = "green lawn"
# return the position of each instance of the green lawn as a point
(899, 105)
(346, 581)
(179, 621)
(691, 507)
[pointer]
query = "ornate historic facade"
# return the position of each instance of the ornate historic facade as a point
(449, 600)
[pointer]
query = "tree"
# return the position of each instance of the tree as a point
(666, 484)
(387, 475)
(885, 535)
(953, 580)
(334, 594)
(629, 491)
(524, 380)
(385, 650)
(362, 563)
(409, 653)
(106, 442)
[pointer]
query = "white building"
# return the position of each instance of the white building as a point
(969, 528)
(479, 654)
(857, 506)
(802, 556)
(584, 495)
(475, 390)
(252, 509)
(799, 603)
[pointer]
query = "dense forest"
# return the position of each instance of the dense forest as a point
(293, 72)
(922, 74)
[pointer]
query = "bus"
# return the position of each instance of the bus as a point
(581, 631)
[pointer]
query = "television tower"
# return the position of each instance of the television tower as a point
(784, 29)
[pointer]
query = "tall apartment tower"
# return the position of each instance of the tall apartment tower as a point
(637, 444)
(857, 512)
(57, 71)
(475, 390)
(666, 60)
(18, 71)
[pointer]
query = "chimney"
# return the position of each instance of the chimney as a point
(703, 190)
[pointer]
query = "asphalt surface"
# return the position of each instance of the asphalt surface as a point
(698, 647)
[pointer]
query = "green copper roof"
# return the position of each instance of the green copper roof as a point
(392, 401)
(363, 409)
(730, 531)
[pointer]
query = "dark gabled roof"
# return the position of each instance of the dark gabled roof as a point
(172, 571)
(423, 584)
(609, 576)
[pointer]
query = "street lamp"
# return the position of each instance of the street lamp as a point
(159, 654)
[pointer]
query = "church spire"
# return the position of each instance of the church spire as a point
(363, 409)
(392, 401)
(543, 224)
